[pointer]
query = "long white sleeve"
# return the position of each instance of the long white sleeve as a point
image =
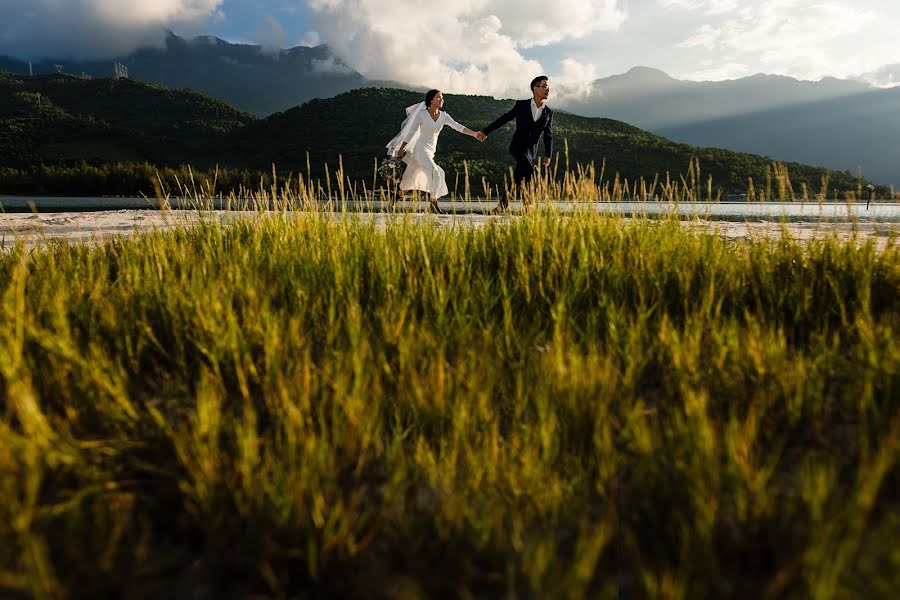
(415, 127)
(452, 123)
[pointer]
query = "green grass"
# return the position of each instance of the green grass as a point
(552, 406)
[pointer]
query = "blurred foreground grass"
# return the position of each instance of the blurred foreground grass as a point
(553, 406)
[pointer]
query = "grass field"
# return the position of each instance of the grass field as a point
(553, 406)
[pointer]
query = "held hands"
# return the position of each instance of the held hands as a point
(480, 136)
(546, 161)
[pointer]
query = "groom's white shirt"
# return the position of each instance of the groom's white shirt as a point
(535, 110)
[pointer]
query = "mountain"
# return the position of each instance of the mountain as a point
(355, 126)
(55, 119)
(249, 77)
(723, 114)
(64, 122)
(651, 99)
(861, 131)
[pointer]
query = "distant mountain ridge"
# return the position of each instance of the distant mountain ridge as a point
(250, 77)
(841, 124)
(713, 113)
(651, 99)
(64, 121)
(849, 133)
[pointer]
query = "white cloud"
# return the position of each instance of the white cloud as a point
(94, 28)
(574, 81)
(711, 7)
(717, 71)
(683, 4)
(470, 46)
(540, 22)
(310, 38)
(791, 37)
(887, 76)
(330, 66)
(269, 34)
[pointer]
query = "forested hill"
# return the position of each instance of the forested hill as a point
(63, 121)
(256, 79)
(356, 125)
(56, 119)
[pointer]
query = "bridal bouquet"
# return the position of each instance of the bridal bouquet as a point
(391, 171)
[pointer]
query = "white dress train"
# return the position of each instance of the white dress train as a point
(422, 173)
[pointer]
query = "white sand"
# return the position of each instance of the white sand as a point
(93, 227)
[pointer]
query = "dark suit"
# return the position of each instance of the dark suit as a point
(523, 146)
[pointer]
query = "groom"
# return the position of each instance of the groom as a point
(533, 118)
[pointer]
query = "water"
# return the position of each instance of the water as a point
(763, 211)
(837, 212)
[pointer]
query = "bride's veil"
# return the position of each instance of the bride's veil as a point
(411, 113)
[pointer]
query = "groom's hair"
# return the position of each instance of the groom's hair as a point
(536, 82)
(430, 96)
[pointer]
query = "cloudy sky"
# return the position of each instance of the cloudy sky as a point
(485, 46)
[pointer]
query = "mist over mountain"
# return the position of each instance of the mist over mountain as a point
(850, 133)
(61, 134)
(651, 99)
(886, 76)
(839, 123)
(250, 77)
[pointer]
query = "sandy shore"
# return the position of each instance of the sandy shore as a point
(93, 227)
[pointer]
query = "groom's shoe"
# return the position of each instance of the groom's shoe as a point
(503, 203)
(436, 209)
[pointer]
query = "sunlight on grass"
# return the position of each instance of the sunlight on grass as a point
(561, 182)
(552, 406)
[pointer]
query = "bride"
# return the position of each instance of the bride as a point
(417, 142)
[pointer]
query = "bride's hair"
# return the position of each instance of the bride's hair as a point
(430, 96)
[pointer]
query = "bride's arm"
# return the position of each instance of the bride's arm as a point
(471, 133)
(460, 128)
(412, 132)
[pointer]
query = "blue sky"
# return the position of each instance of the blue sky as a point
(484, 46)
(246, 20)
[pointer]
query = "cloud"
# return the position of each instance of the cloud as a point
(471, 46)
(310, 39)
(539, 22)
(95, 28)
(711, 7)
(574, 82)
(887, 76)
(330, 66)
(792, 37)
(717, 71)
(269, 34)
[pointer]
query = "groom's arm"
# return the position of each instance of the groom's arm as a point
(500, 122)
(548, 137)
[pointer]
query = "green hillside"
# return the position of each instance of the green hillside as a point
(57, 119)
(356, 125)
(115, 132)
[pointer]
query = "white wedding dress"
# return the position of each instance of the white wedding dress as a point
(422, 173)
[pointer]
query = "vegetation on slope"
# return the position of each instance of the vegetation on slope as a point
(48, 124)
